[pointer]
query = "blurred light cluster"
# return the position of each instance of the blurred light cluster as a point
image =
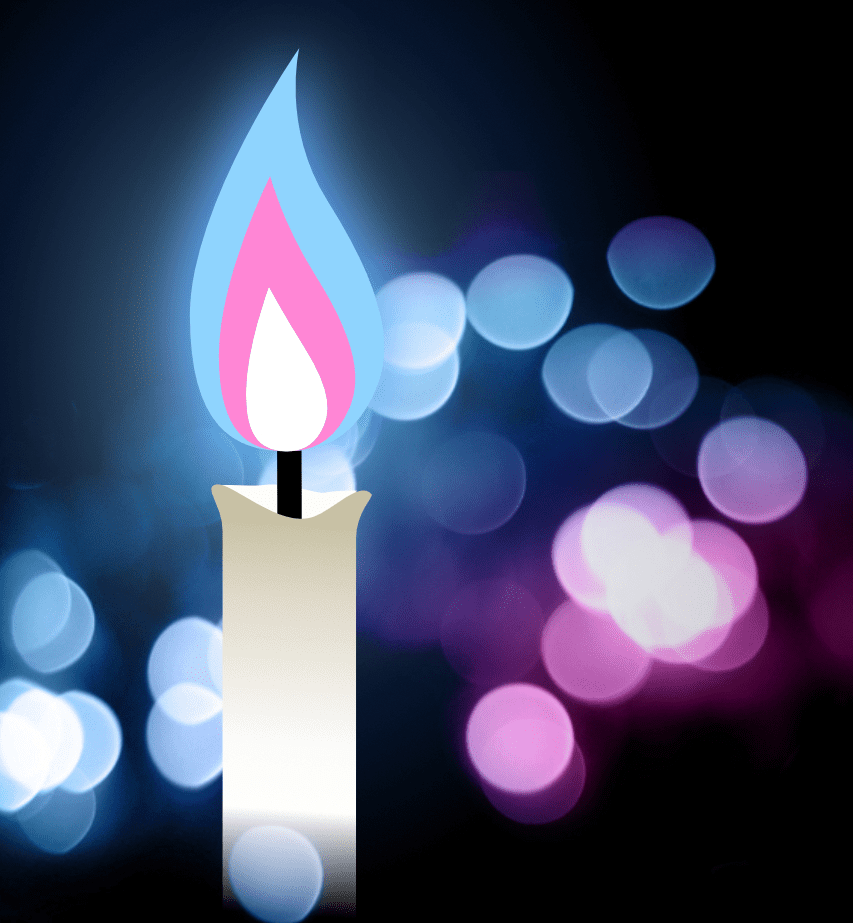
(184, 729)
(598, 373)
(643, 581)
(423, 318)
(54, 748)
(674, 587)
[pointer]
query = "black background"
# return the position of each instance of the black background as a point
(119, 122)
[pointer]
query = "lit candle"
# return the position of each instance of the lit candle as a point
(287, 348)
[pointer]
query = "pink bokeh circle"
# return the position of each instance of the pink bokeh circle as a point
(519, 738)
(590, 657)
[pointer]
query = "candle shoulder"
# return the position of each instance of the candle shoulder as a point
(260, 500)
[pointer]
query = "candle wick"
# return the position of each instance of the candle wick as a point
(289, 484)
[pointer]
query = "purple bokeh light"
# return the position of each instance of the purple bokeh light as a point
(519, 738)
(752, 470)
(590, 657)
(661, 262)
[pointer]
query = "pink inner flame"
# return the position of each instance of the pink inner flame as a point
(270, 259)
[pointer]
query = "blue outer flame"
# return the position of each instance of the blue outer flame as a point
(273, 150)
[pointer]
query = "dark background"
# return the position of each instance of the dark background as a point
(119, 124)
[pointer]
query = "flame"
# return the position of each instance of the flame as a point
(286, 334)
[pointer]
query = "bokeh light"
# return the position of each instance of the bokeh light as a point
(686, 618)
(575, 575)
(590, 657)
(404, 395)
(661, 262)
(474, 483)
(519, 302)
(40, 612)
(519, 738)
(102, 741)
(619, 374)
(53, 751)
(58, 820)
(189, 703)
(490, 633)
(423, 317)
(182, 654)
(17, 571)
(744, 639)
(565, 373)
(276, 874)
(184, 729)
(59, 727)
(752, 470)
(547, 805)
(674, 382)
(188, 755)
(736, 575)
(672, 586)
(25, 760)
(48, 634)
(731, 558)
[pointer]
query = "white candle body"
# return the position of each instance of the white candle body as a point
(289, 673)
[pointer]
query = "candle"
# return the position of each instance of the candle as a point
(289, 672)
(287, 348)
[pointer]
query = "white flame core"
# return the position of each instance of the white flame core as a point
(285, 397)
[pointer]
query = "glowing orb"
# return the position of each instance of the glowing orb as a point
(661, 262)
(40, 611)
(575, 575)
(423, 317)
(59, 727)
(520, 302)
(57, 821)
(597, 373)
(184, 729)
(276, 874)
(186, 746)
(619, 374)
(25, 761)
(408, 395)
(102, 741)
(590, 658)
(675, 380)
(519, 738)
(186, 651)
(744, 639)
(49, 634)
(752, 470)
